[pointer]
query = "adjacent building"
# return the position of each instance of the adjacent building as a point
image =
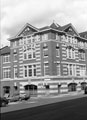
(41, 61)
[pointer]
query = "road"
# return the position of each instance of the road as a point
(70, 109)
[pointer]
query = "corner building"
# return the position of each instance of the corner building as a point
(48, 60)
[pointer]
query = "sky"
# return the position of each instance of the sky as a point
(16, 13)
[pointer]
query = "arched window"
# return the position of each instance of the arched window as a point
(81, 54)
(72, 87)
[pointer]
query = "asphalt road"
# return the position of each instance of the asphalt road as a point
(72, 109)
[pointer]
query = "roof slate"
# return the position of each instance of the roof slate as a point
(83, 34)
(5, 50)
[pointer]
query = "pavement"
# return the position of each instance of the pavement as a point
(59, 95)
(49, 96)
(63, 107)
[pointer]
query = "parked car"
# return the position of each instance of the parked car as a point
(24, 96)
(85, 90)
(14, 98)
(3, 102)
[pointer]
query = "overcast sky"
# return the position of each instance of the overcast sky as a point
(16, 13)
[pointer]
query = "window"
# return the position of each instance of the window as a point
(81, 54)
(82, 70)
(57, 51)
(74, 41)
(25, 56)
(45, 37)
(71, 69)
(15, 43)
(45, 53)
(29, 55)
(15, 72)
(34, 70)
(45, 50)
(6, 73)
(34, 55)
(25, 71)
(46, 68)
(57, 36)
(70, 52)
(16, 87)
(29, 70)
(20, 42)
(47, 87)
(29, 40)
(37, 38)
(25, 41)
(29, 52)
(58, 69)
(15, 57)
(6, 58)
(63, 38)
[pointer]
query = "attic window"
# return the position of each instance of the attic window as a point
(70, 29)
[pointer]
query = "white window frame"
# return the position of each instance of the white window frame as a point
(70, 53)
(57, 51)
(32, 68)
(15, 56)
(58, 67)
(15, 72)
(44, 37)
(6, 58)
(45, 68)
(73, 69)
(7, 72)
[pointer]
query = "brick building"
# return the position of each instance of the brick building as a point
(48, 60)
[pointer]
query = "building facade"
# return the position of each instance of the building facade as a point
(48, 60)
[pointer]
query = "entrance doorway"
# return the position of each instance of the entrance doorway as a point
(31, 89)
(72, 87)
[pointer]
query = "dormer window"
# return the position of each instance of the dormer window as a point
(70, 30)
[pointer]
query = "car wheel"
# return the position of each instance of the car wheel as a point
(3, 104)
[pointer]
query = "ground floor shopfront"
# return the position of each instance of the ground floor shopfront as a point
(42, 86)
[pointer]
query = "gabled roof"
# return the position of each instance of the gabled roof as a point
(5, 50)
(27, 25)
(55, 25)
(43, 28)
(83, 34)
(63, 28)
